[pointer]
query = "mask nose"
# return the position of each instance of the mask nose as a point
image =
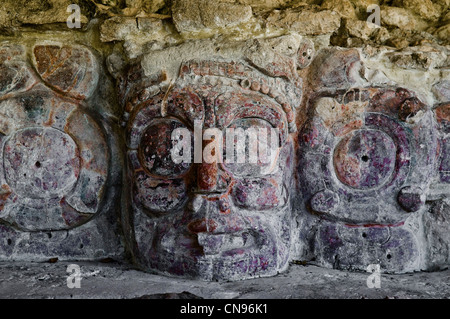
(207, 171)
(209, 204)
(207, 177)
(212, 179)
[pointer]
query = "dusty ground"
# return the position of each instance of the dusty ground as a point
(116, 280)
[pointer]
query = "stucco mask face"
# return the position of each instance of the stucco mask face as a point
(210, 218)
(366, 159)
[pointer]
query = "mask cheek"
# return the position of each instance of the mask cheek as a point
(259, 194)
(158, 197)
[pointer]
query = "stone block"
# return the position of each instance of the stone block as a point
(198, 15)
(306, 22)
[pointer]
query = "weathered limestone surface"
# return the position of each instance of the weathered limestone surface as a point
(401, 18)
(344, 7)
(360, 173)
(425, 9)
(205, 14)
(307, 22)
(38, 12)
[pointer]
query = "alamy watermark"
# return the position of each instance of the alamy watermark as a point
(74, 279)
(74, 20)
(374, 280)
(375, 16)
(252, 145)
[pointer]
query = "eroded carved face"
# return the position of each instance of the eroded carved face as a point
(215, 221)
(366, 157)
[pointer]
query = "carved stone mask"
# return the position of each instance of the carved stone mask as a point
(213, 220)
(366, 158)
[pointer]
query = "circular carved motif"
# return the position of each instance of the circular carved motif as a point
(41, 162)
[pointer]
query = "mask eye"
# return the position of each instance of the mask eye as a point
(251, 147)
(155, 149)
(365, 159)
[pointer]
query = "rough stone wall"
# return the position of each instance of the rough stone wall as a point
(363, 109)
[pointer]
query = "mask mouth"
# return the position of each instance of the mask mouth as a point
(218, 244)
(223, 247)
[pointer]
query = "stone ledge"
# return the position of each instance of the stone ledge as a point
(117, 280)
